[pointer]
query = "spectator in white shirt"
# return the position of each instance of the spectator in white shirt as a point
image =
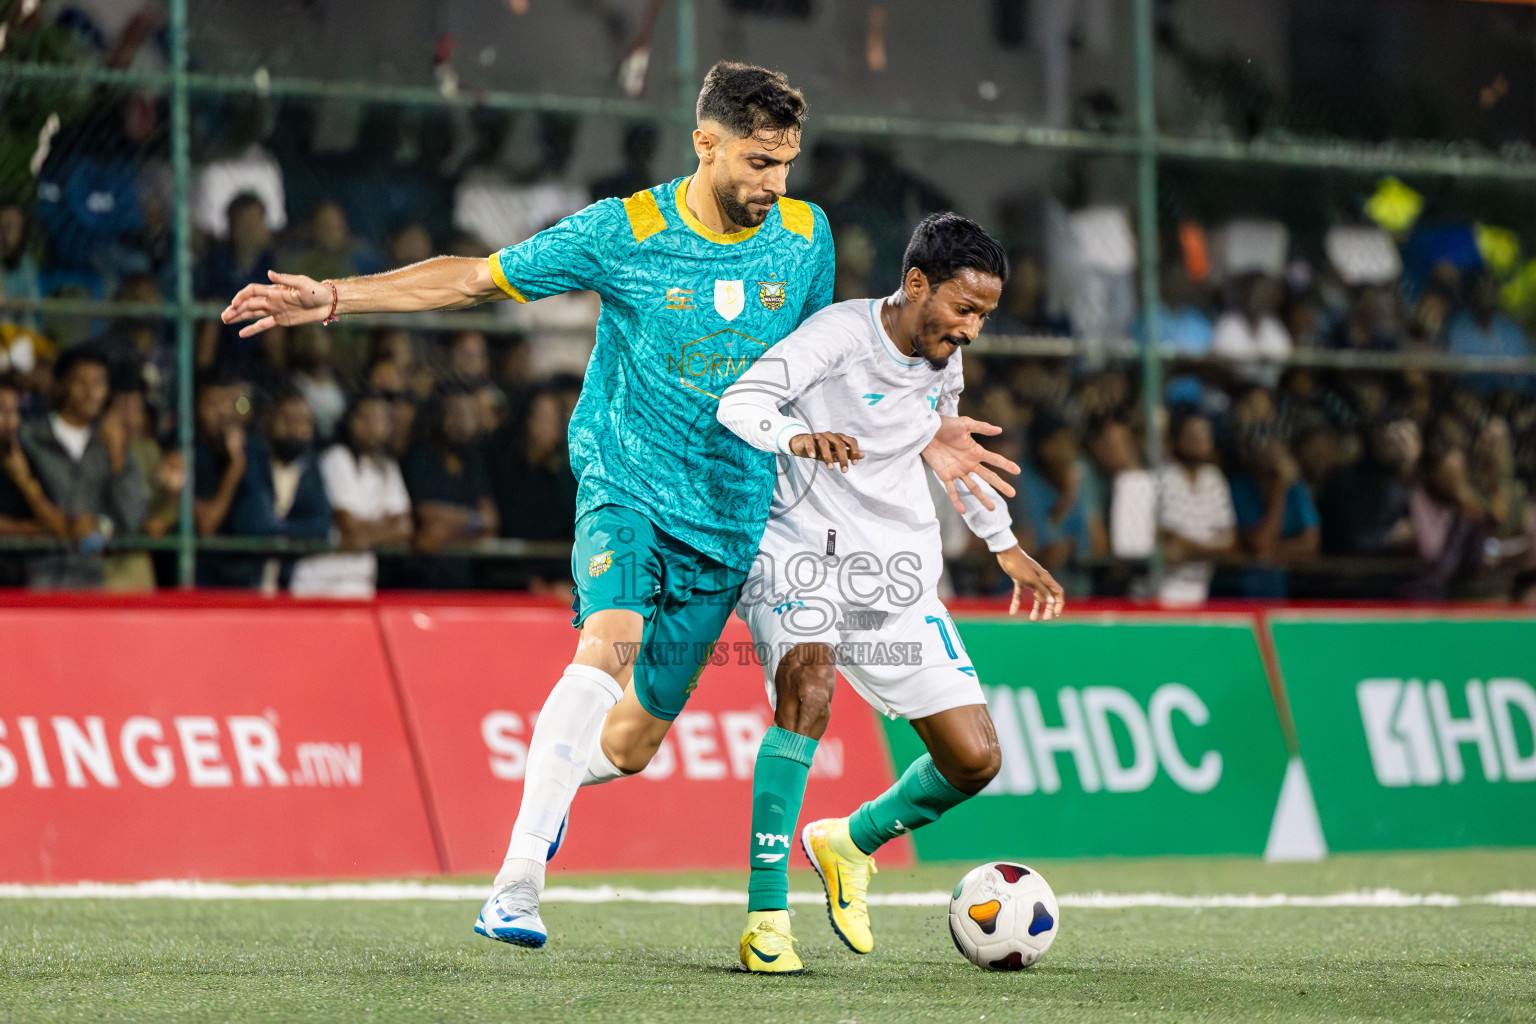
(1195, 517)
(253, 171)
(1253, 332)
(501, 208)
(1123, 493)
(369, 500)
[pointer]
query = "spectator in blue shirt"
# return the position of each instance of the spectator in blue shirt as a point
(1277, 523)
(19, 277)
(1481, 330)
(243, 258)
(1183, 328)
(1051, 508)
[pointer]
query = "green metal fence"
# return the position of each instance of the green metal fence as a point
(1146, 145)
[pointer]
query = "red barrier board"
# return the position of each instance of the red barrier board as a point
(178, 743)
(473, 680)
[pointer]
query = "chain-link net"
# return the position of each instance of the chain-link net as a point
(1431, 74)
(1313, 299)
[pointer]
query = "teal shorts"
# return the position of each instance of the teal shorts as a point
(621, 560)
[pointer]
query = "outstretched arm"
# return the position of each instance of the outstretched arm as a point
(750, 407)
(985, 516)
(443, 282)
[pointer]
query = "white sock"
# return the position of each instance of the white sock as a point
(563, 737)
(515, 869)
(600, 769)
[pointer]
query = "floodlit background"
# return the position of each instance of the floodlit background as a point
(1322, 210)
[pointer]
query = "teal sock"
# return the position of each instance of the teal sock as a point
(778, 787)
(919, 796)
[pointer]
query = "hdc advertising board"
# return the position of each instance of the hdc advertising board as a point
(1416, 733)
(1120, 739)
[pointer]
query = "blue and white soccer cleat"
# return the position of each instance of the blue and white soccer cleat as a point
(512, 915)
(512, 912)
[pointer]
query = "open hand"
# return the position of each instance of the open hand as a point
(290, 299)
(954, 454)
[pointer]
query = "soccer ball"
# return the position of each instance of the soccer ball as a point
(1003, 916)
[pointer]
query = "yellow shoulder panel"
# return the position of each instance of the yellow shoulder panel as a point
(797, 217)
(500, 277)
(645, 217)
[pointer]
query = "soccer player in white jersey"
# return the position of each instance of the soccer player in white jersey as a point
(847, 573)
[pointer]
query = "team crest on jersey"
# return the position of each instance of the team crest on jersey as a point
(730, 298)
(771, 294)
(600, 563)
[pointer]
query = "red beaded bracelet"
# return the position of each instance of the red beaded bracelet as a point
(331, 317)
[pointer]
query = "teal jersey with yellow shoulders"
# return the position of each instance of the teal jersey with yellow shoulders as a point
(684, 311)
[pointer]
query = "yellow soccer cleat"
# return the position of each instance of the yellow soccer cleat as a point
(766, 945)
(845, 877)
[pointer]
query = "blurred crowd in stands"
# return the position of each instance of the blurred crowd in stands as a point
(1280, 476)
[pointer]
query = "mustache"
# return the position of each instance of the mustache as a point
(766, 199)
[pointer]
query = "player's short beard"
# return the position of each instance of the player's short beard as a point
(937, 364)
(920, 349)
(738, 212)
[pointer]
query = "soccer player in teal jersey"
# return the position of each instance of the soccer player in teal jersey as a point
(698, 277)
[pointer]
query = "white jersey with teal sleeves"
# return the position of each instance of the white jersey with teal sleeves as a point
(684, 311)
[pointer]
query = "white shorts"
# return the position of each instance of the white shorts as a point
(912, 666)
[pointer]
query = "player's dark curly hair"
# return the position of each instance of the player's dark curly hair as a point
(946, 243)
(746, 99)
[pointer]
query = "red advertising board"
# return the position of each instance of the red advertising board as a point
(212, 735)
(472, 681)
(181, 743)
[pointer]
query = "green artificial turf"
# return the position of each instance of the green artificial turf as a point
(107, 960)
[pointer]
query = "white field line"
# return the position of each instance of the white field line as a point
(454, 893)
